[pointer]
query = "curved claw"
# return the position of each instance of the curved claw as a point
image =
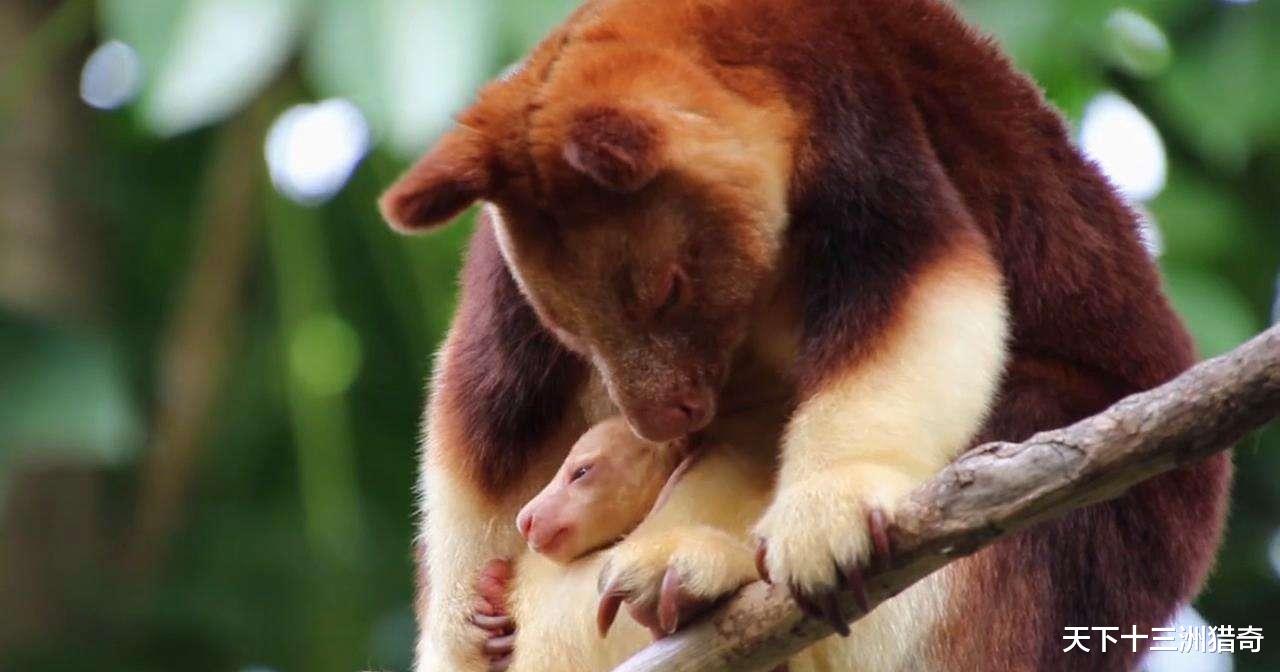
(878, 523)
(830, 604)
(499, 664)
(671, 600)
(500, 646)
(852, 578)
(762, 564)
(611, 600)
(498, 623)
(806, 605)
(825, 607)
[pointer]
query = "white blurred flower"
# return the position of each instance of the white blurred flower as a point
(312, 150)
(1125, 145)
(112, 76)
(1185, 620)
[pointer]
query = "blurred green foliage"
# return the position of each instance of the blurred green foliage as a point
(288, 542)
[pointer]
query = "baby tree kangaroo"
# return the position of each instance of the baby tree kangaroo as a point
(610, 481)
(606, 486)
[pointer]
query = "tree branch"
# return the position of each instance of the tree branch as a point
(1000, 488)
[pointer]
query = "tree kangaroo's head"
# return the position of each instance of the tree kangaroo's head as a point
(639, 201)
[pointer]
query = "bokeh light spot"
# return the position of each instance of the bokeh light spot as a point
(1125, 145)
(1194, 660)
(1275, 305)
(112, 76)
(312, 150)
(1273, 553)
(325, 354)
(1137, 44)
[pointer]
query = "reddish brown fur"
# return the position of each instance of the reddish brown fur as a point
(438, 188)
(915, 135)
(506, 383)
(619, 151)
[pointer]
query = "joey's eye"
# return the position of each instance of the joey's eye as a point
(579, 472)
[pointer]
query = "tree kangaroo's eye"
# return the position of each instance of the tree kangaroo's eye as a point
(672, 292)
(579, 472)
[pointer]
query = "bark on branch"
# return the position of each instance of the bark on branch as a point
(997, 489)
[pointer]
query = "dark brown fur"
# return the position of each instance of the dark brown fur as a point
(506, 381)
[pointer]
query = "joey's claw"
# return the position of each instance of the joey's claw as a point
(499, 649)
(489, 613)
(500, 646)
(500, 623)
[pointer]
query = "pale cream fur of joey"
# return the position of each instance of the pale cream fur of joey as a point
(605, 487)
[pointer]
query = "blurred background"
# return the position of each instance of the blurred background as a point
(213, 352)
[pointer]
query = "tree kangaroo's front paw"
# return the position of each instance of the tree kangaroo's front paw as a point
(816, 539)
(669, 579)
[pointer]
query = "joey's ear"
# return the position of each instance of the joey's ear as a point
(620, 151)
(443, 183)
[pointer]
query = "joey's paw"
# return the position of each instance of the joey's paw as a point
(489, 613)
(817, 541)
(666, 582)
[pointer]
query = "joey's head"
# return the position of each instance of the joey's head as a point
(639, 204)
(604, 488)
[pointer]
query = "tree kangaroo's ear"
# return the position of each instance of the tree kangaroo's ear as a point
(619, 150)
(443, 183)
